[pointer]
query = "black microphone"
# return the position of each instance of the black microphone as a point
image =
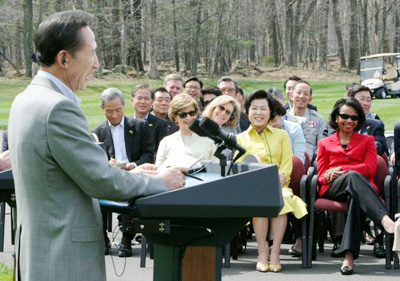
(212, 128)
(194, 126)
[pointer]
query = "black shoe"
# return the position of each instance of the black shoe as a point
(346, 270)
(379, 251)
(107, 247)
(368, 238)
(125, 250)
(336, 251)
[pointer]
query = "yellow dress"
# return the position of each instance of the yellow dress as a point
(273, 147)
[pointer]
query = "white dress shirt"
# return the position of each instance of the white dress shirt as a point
(118, 136)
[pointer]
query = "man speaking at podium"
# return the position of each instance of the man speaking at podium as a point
(58, 168)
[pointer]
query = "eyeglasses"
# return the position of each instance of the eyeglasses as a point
(185, 114)
(222, 108)
(192, 87)
(207, 102)
(229, 90)
(346, 116)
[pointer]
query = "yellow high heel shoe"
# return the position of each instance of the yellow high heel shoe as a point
(275, 268)
(262, 267)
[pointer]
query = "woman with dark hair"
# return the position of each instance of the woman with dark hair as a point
(272, 146)
(347, 163)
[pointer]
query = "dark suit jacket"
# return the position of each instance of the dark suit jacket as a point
(309, 106)
(5, 141)
(360, 155)
(372, 127)
(244, 122)
(158, 129)
(139, 144)
(172, 127)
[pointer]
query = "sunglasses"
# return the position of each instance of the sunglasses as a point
(222, 108)
(346, 116)
(184, 114)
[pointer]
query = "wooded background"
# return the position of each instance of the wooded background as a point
(212, 37)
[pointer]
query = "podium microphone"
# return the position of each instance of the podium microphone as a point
(194, 126)
(213, 129)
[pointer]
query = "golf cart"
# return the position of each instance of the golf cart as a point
(380, 73)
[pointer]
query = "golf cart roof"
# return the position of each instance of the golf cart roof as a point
(381, 55)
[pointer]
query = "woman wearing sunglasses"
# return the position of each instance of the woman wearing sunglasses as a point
(184, 142)
(347, 162)
(272, 146)
(225, 111)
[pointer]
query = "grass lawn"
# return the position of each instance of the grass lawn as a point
(325, 94)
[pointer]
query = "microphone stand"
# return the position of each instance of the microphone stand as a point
(222, 158)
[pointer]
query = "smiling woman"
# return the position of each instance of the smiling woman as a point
(184, 144)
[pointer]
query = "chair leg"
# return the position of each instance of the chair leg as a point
(151, 250)
(388, 257)
(13, 224)
(143, 252)
(304, 239)
(2, 224)
(227, 253)
(321, 232)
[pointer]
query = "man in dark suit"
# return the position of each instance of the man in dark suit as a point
(288, 85)
(142, 99)
(162, 100)
(126, 140)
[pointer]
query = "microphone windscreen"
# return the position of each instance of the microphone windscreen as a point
(209, 126)
(195, 127)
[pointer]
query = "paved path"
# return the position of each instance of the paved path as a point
(326, 268)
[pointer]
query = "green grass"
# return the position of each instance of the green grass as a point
(325, 93)
(6, 273)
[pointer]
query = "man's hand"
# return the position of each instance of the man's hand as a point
(5, 161)
(174, 177)
(393, 158)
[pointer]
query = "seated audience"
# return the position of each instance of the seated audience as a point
(288, 85)
(225, 111)
(184, 142)
(350, 178)
(272, 146)
(174, 84)
(193, 87)
(208, 93)
(312, 123)
(364, 95)
(142, 99)
(396, 147)
(372, 127)
(162, 100)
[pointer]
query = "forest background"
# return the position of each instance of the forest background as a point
(252, 40)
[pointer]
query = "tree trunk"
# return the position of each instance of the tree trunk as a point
(196, 42)
(18, 43)
(323, 35)
(354, 43)
(116, 33)
(384, 42)
(336, 20)
(176, 49)
(28, 36)
(100, 35)
(396, 41)
(274, 32)
(59, 5)
(153, 59)
(41, 10)
(288, 34)
(365, 44)
(219, 39)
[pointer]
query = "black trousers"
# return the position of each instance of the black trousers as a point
(360, 195)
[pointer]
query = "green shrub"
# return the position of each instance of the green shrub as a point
(6, 273)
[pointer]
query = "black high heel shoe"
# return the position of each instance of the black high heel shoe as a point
(347, 270)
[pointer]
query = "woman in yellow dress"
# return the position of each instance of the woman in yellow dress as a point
(272, 146)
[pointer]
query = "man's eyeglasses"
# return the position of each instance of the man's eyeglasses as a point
(192, 87)
(347, 116)
(229, 90)
(185, 114)
(222, 108)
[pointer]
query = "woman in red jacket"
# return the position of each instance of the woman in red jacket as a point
(347, 163)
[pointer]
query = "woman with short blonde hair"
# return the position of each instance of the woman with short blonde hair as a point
(224, 110)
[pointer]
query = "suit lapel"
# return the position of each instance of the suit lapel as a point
(129, 132)
(353, 141)
(106, 132)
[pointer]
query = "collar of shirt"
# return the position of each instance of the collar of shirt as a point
(145, 118)
(122, 124)
(66, 91)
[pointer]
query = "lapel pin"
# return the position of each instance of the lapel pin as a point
(131, 132)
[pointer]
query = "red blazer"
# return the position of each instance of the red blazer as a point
(360, 155)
